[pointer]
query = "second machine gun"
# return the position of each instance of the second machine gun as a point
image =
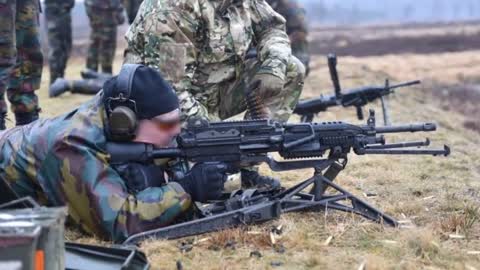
(357, 98)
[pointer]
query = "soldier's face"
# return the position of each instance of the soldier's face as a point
(161, 130)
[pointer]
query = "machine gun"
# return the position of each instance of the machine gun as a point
(357, 98)
(321, 146)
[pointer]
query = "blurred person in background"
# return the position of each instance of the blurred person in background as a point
(131, 6)
(21, 59)
(105, 16)
(59, 27)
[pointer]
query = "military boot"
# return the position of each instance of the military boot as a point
(86, 87)
(3, 115)
(251, 178)
(58, 87)
(25, 118)
(91, 74)
(54, 76)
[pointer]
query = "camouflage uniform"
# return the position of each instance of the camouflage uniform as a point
(63, 160)
(131, 6)
(200, 47)
(59, 25)
(297, 29)
(21, 59)
(104, 15)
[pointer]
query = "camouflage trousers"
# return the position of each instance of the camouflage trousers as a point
(21, 59)
(131, 6)
(103, 38)
(224, 100)
(59, 26)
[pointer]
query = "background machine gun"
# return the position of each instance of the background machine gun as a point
(303, 145)
(357, 98)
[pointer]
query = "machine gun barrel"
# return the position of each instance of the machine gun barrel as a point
(139, 152)
(405, 84)
(407, 128)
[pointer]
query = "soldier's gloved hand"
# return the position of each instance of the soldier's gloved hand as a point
(205, 181)
(270, 85)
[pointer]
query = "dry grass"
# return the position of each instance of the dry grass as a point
(440, 196)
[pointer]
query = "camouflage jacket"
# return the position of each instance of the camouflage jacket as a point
(63, 160)
(296, 26)
(105, 4)
(204, 42)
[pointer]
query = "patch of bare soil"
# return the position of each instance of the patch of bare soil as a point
(371, 41)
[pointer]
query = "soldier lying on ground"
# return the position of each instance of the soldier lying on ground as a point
(63, 160)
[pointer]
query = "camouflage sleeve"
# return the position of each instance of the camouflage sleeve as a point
(162, 38)
(297, 28)
(97, 196)
(273, 45)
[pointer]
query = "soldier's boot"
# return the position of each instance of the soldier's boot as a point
(58, 87)
(25, 118)
(3, 115)
(91, 74)
(86, 87)
(251, 178)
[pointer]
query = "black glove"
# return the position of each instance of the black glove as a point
(205, 181)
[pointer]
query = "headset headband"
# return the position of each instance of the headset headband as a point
(125, 80)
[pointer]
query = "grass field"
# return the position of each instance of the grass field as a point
(438, 197)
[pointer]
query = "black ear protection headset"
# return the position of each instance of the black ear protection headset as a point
(121, 110)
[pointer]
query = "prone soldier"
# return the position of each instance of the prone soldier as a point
(64, 160)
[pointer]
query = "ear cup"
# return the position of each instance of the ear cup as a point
(123, 123)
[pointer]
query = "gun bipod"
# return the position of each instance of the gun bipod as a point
(252, 207)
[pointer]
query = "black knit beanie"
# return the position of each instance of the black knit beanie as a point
(152, 94)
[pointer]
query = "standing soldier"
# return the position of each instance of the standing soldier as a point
(201, 48)
(105, 16)
(59, 25)
(131, 6)
(21, 59)
(297, 30)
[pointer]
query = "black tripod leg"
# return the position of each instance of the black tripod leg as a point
(319, 186)
(359, 206)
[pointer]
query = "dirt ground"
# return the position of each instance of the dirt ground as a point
(390, 39)
(438, 197)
